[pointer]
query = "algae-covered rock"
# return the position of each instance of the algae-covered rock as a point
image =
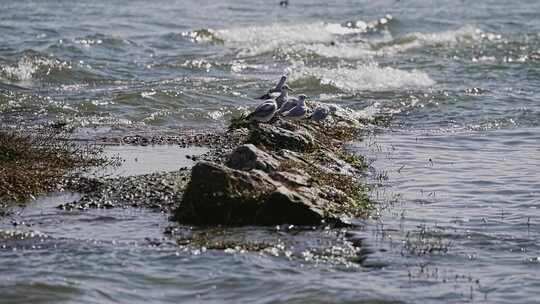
(248, 157)
(277, 138)
(218, 195)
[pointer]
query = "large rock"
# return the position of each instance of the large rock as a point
(278, 138)
(248, 157)
(217, 195)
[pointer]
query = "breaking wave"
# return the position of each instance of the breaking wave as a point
(352, 40)
(370, 77)
(256, 40)
(387, 45)
(463, 35)
(30, 65)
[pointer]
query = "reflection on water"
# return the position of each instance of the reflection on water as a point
(138, 160)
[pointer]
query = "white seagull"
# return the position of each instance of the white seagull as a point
(289, 104)
(264, 112)
(284, 96)
(321, 112)
(297, 112)
(275, 92)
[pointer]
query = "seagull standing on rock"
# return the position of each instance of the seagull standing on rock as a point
(288, 105)
(264, 112)
(320, 113)
(299, 111)
(275, 92)
(284, 96)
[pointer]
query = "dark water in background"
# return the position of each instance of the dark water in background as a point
(460, 80)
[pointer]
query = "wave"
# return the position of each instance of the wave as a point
(387, 45)
(32, 65)
(101, 40)
(350, 40)
(29, 65)
(257, 40)
(370, 77)
(335, 50)
(464, 35)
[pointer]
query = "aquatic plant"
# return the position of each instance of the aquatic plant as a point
(33, 164)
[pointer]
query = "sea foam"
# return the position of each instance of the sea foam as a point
(332, 40)
(364, 77)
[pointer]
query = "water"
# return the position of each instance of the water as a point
(455, 170)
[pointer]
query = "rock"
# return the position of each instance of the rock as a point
(218, 195)
(248, 157)
(294, 179)
(329, 161)
(278, 138)
(277, 177)
(285, 206)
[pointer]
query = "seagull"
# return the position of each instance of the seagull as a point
(321, 112)
(333, 108)
(299, 111)
(290, 103)
(284, 96)
(275, 92)
(264, 112)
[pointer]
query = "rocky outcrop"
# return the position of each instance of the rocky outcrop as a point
(218, 195)
(278, 176)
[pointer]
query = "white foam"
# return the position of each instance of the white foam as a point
(317, 38)
(464, 34)
(364, 77)
(256, 40)
(27, 67)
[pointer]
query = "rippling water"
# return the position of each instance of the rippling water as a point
(455, 170)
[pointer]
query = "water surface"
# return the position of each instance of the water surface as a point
(455, 170)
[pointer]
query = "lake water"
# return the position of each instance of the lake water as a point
(455, 170)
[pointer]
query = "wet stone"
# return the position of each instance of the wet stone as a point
(248, 157)
(156, 191)
(218, 195)
(285, 206)
(277, 138)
